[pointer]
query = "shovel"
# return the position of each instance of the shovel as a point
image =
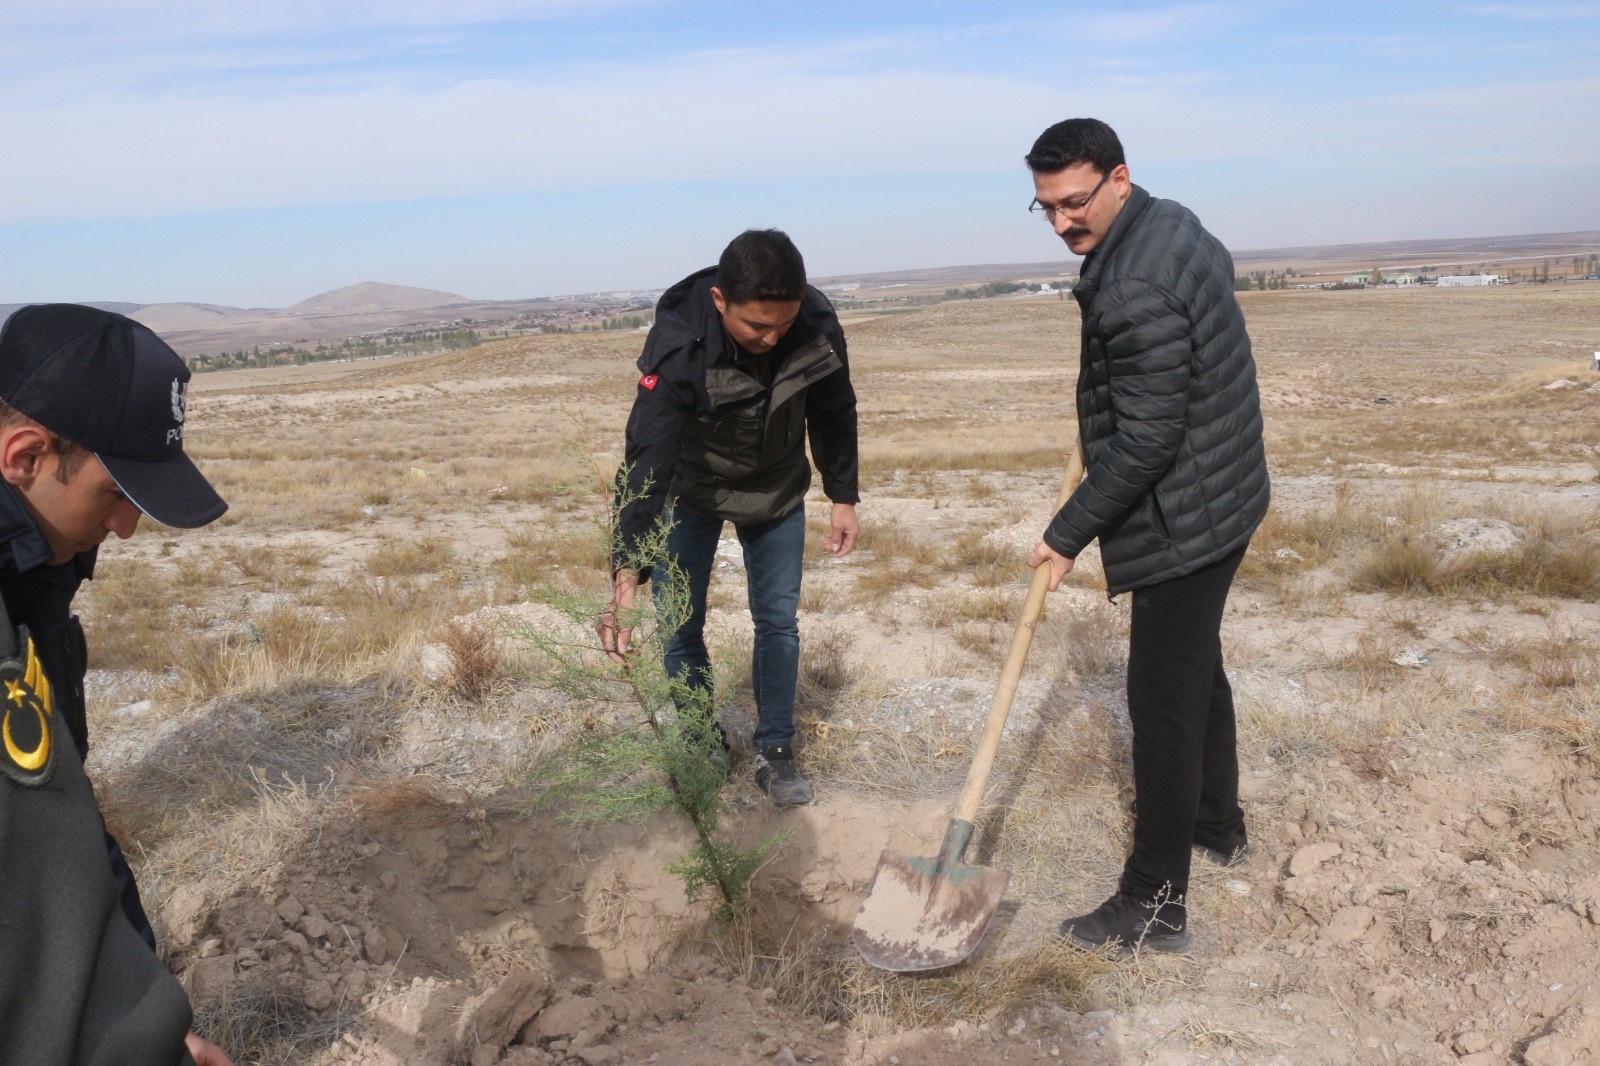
(929, 912)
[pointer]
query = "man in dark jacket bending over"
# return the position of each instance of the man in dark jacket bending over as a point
(744, 362)
(1175, 484)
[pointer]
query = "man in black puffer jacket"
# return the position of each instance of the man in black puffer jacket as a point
(1175, 483)
(744, 364)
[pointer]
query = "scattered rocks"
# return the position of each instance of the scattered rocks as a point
(1308, 858)
(187, 914)
(1574, 1038)
(210, 979)
(1348, 924)
(1477, 536)
(568, 1017)
(497, 1016)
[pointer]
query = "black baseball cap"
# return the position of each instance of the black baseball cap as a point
(110, 385)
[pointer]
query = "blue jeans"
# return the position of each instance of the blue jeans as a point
(773, 553)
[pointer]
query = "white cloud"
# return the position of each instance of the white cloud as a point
(320, 125)
(709, 117)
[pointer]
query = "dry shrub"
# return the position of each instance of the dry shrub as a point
(534, 555)
(984, 640)
(987, 563)
(271, 567)
(826, 672)
(1281, 545)
(428, 555)
(1558, 556)
(475, 660)
(896, 547)
(1212, 1037)
(818, 977)
(343, 629)
(1560, 658)
(884, 580)
(1400, 563)
(271, 1025)
(1369, 755)
(1083, 639)
(1571, 716)
(1370, 662)
(402, 805)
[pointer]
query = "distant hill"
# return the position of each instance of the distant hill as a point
(374, 296)
(121, 308)
(164, 317)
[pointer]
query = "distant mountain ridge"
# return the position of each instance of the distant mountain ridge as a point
(120, 307)
(165, 317)
(371, 307)
(375, 296)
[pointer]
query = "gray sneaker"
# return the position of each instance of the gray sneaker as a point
(777, 777)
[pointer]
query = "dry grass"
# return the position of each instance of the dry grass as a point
(537, 554)
(1559, 658)
(1085, 637)
(410, 558)
(341, 630)
(270, 1025)
(827, 673)
(475, 660)
(819, 978)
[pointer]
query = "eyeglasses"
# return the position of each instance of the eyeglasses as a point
(1071, 207)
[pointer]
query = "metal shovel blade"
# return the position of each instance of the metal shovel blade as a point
(926, 913)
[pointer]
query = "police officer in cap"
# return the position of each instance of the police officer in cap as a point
(92, 412)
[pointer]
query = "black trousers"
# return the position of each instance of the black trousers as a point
(1185, 743)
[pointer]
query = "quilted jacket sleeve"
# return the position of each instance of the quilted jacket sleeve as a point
(1148, 353)
(655, 426)
(831, 422)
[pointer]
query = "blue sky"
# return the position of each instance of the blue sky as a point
(257, 153)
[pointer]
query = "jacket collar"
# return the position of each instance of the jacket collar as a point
(22, 544)
(1094, 262)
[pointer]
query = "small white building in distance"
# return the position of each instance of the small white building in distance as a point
(1458, 280)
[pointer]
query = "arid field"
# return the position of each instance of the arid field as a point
(327, 728)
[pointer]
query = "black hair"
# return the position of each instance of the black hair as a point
(1074, 141)
(761, 264)
(69, 456)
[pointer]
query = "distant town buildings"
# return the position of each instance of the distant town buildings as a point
(1462, 280)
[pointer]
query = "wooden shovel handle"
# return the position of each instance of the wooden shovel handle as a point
(1032, 607)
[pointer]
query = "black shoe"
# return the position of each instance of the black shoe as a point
(1226, 857)
(1128, 925)
(777, 777)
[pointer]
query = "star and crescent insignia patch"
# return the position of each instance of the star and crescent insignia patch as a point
(27, 720)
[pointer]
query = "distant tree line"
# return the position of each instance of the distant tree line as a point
(988, 288)
(415, 343)
(1262, 279)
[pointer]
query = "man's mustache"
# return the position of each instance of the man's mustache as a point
(1075, 231)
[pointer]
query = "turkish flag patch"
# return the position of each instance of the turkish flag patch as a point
(649, 381)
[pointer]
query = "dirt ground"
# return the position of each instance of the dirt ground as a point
(333, 793)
